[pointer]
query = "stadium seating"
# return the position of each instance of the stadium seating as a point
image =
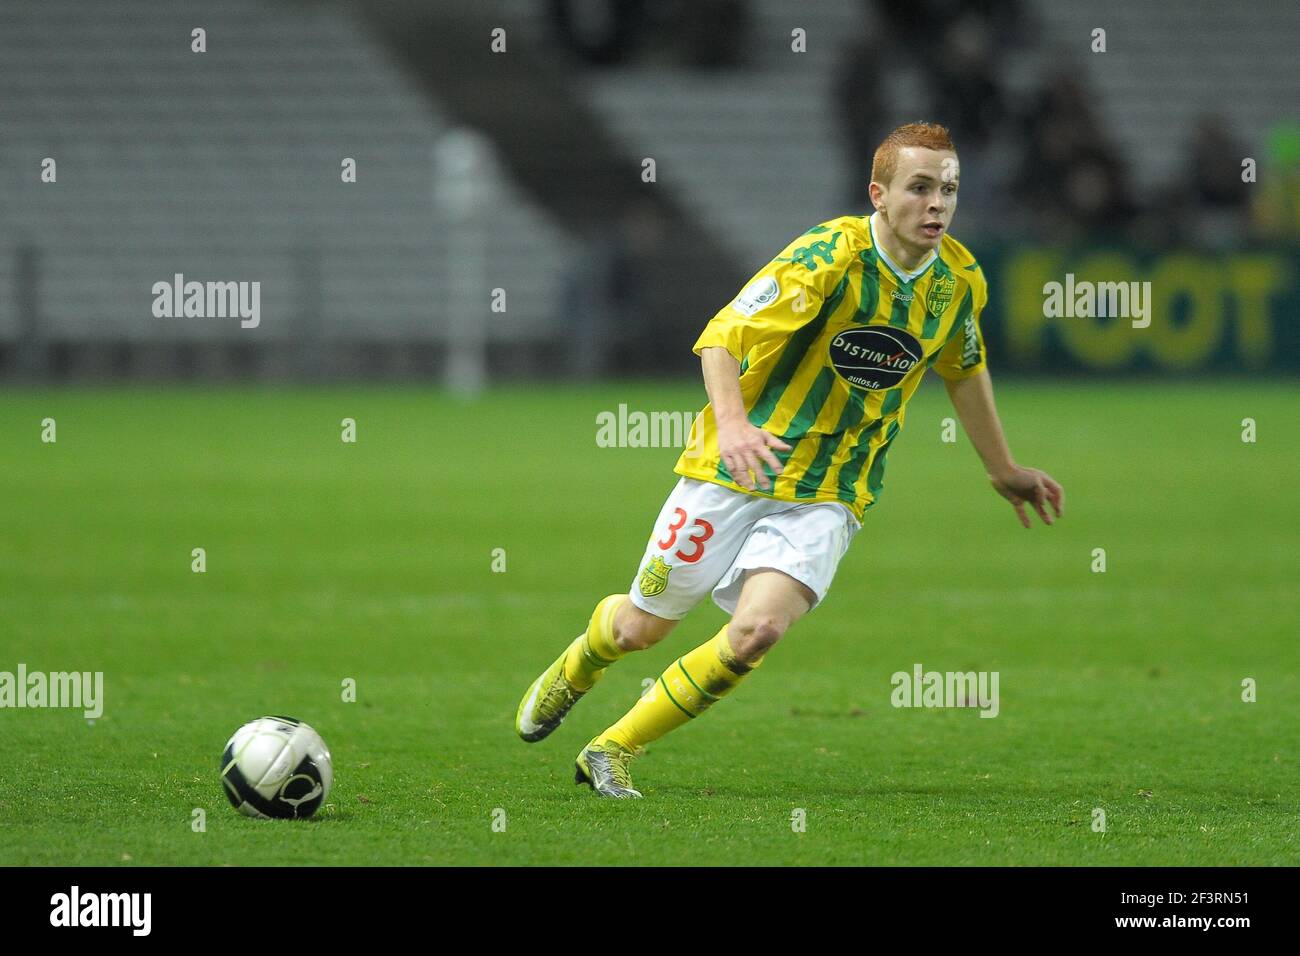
(226, 165)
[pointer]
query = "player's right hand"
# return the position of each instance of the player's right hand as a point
(745, 448)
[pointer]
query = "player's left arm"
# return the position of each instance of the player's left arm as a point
(962, 364)
(972, 398)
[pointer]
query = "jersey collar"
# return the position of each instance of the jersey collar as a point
(900, 274)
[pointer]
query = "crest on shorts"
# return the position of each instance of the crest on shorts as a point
(940, 294)
(654, 577)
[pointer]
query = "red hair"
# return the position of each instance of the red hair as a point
(926, 135)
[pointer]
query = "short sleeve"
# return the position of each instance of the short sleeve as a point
(783, 296)
(963, 355)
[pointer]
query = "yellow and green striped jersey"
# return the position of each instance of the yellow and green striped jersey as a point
(833, 338)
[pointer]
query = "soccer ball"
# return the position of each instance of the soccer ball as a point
(276, 767)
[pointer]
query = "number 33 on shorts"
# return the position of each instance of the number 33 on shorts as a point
(698, 539)
(688, 548)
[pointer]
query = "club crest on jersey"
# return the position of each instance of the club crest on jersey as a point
(654, 577)
(940, 294)
(757, 295)
(875, 356)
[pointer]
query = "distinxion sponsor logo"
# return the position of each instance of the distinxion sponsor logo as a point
(874, 357)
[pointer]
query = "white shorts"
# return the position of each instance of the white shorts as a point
(707, 536)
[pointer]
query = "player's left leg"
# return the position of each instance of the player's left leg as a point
(697, 535)
(770, 602)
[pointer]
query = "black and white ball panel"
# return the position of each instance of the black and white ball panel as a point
(276, 767)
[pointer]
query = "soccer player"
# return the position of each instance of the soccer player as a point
(808, 373)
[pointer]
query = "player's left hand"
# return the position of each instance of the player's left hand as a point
(1033, 486)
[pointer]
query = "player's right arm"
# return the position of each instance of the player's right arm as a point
(742, 446)
(782, 297)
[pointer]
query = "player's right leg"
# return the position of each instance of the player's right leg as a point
(617, 627)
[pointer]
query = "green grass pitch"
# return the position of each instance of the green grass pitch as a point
(373, 561)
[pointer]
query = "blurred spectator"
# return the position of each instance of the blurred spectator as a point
(964, 84)
(1211, 206)
(599, 31)
(863, 114)
(1216, 166)
(700, 33)
(907, 23)
(1072, 184)
(712, 33)
(1275, 210)
(608, 287)
(911, 23)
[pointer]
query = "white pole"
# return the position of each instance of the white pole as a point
(464, 193)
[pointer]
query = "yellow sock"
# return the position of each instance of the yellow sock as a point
(594, 649)
(692, 684)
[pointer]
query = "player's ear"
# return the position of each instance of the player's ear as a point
(877, 194)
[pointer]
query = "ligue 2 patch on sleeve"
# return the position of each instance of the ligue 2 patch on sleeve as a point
(757, 295)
